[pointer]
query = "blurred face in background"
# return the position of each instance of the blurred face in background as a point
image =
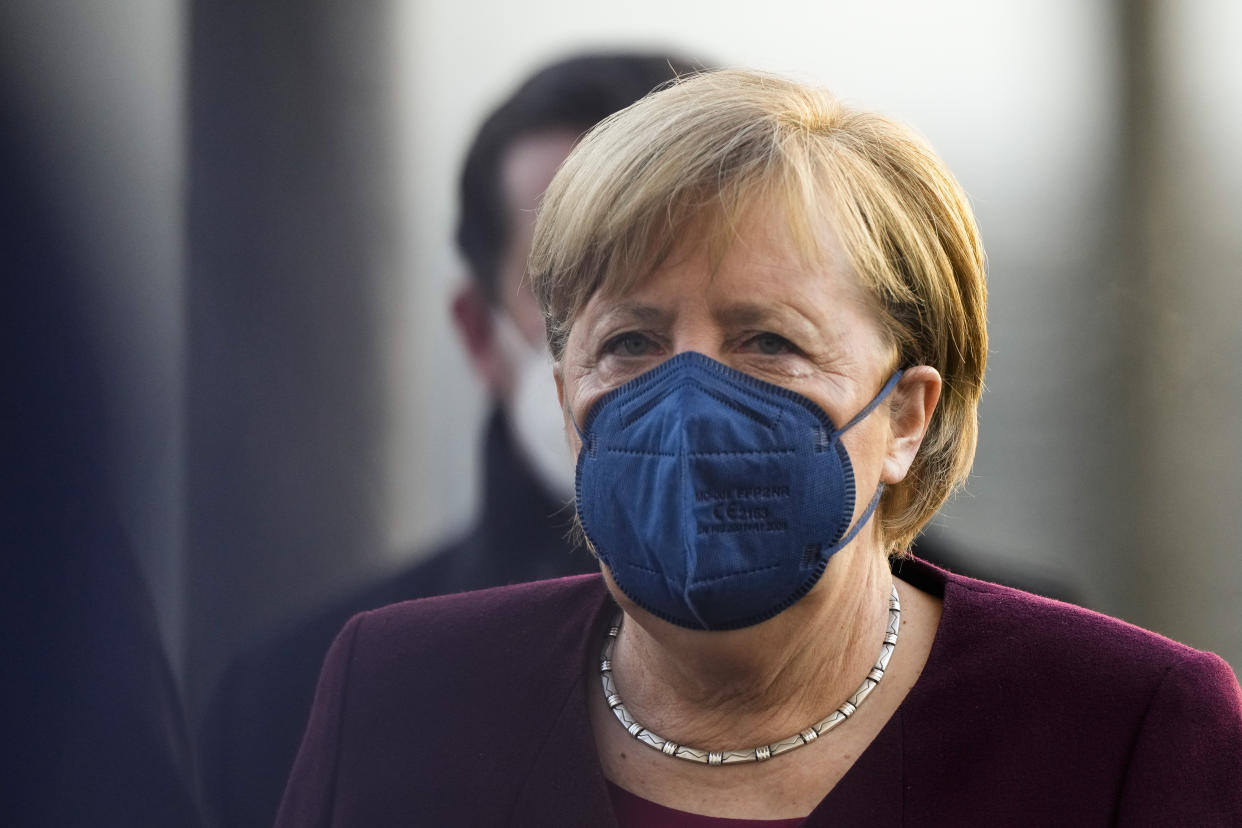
(518, 368)
(528, 168)
(500, 333)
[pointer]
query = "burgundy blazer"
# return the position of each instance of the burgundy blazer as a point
(471, 709)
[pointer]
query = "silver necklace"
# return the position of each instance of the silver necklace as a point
(763, 752)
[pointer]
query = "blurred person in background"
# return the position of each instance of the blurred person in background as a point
(767, 318)
(256, 717)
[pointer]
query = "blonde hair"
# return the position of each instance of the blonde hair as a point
(693, 156)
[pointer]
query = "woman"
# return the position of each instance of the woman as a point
(767, 314)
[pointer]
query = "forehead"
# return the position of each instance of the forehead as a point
(760, 279)
(750, 252)
(529, 165)
(526, 169)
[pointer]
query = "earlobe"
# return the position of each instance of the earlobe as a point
(914, 403)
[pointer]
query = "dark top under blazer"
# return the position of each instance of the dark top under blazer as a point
(472, 710)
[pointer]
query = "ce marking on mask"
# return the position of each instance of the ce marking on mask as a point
(733, 510)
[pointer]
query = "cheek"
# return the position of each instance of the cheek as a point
(866, 447)
(581, 391)
(578, 394)
(564, 396)
(571, 438)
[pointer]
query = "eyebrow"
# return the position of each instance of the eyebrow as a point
(751, 314)
(746, 313)
(635, 313)
(737, 315)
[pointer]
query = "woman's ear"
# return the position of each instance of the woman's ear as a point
(913, 403)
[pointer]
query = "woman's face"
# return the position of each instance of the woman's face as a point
(762, 312)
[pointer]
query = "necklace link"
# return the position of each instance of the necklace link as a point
(762, 752)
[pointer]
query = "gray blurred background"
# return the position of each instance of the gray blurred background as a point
(267, 193)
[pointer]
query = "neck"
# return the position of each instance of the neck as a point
(740, 688)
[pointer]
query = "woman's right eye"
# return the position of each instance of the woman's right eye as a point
(629, 344)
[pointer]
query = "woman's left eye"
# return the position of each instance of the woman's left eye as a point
(629, 344)
(770, 344)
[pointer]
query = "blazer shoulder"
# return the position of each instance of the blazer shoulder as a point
(517, 627)
(498, 606)
(421, 700)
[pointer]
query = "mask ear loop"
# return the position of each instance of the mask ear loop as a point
(862, 521)
(879, 488)
(876, 400)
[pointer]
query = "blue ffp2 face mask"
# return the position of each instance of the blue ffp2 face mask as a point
(715, 498)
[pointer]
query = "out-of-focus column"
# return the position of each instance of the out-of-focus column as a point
(1187, 255)
(289, 215)
(96, 95)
